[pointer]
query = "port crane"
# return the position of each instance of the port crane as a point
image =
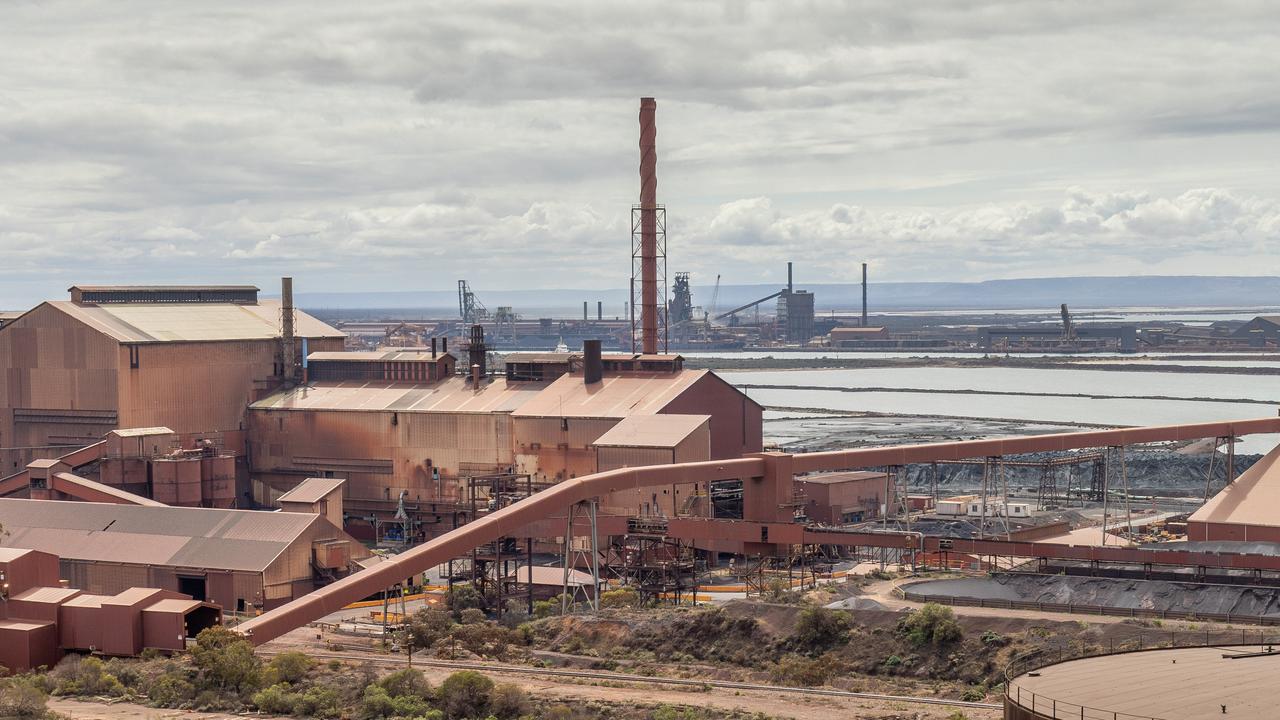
(470, 309)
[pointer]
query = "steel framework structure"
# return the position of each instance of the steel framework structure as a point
(767, 526)
(638, 262)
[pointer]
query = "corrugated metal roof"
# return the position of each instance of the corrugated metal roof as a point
(544, 575)
(89, 601)
(175, 606)
(24, 625)
(141, 432)
(390, 355)
(174, 536)
(453, 395)
(1250, 500)
(191, 322)
(312, 490)
(9, 554)
(115, 492)
(842, 477)
(613, 397)
(51, 595)
(132, 596)
(158, 288)
(652, 431)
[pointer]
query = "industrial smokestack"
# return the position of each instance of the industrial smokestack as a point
(288, 343)
(592, 364)
(599, 310)
(584, 311)
(433, 348)
(789, 286)
(477, 353)
(864, 294)
(649, 225)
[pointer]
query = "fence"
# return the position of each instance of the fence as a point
(1047, 707)
(1074, 609)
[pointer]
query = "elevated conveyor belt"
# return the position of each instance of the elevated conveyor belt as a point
(553, 500)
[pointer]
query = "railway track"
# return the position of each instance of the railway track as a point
(626, 677)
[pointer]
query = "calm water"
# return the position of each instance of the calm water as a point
(1067, 381)
(1120, 409)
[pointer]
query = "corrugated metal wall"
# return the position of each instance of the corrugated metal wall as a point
(379, 452)
(50, 361)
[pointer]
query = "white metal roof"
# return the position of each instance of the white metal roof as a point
(177, 536)
(191, 322)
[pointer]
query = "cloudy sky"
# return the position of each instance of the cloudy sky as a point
(386, 145)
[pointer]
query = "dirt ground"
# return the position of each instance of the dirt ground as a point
(771, 704)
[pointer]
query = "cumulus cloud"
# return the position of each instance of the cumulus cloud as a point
(399, 145)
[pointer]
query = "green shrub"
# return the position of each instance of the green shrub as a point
(932, 623)
(994, 639)
(463, 597)
(407, 682)
(22, 699)
(288, 667)
(226, 660)
(376, 703)
(974, 693)
(465, 694)
(507, 701)
(318, 702)
(471, 616)
(483, 639)
(800, 671)
(621, 598)
(818, 629)
(170, 690)
(84, 676)
(277, 699)
(427, 626)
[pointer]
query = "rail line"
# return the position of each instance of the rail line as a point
(626, 677)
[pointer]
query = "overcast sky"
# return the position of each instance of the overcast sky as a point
(403, 145)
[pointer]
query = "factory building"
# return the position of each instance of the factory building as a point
(421, 441)
(1244, 510)
(241, 560)
(39, 618)
(835, 498)
(187, 358)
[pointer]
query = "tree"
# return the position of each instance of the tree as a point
(290, 667)
(226, 660)
(932, 623)
(507, 701)
(465, 694)
(20, 698)
(462, 597)
(426, 627)
(818, 629)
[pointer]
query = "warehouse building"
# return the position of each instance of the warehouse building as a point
(240, 559)
(187, 358)
(39, 618)
(422, 442)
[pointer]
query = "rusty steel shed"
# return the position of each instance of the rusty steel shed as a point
(385, 437)
(76, 370)
(239, 559)
(554, 433)
(641, 440)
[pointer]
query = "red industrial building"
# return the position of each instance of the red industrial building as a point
(426, 439)
(40, 618)
(1245, 510)
(187, 358)
(240, 559)
(846, 497)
